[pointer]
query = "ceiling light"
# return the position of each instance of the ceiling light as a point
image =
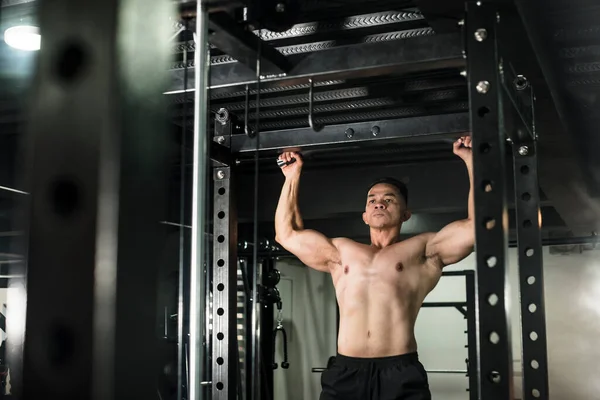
(24, 37)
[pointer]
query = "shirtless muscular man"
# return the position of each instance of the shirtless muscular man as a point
(379, 287)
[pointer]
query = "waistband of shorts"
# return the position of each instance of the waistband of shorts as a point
(360, 362)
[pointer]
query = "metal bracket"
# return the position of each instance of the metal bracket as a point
(220, 152)
(519, 109)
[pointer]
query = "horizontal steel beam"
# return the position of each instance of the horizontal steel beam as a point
(431, 87)
(345, 62)
(311, 45)
(423, 128)
(229, 37)
(351, 225)
(364, 24)
(443, 304)
(446, 371)
(442, 16)
(187, 8)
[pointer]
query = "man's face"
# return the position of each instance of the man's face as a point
(385, 207)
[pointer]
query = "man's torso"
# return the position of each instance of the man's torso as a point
(379, 293)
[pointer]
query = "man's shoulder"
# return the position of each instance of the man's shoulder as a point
(420, 240)
(416, 246)
(342, 241)
(346, 246)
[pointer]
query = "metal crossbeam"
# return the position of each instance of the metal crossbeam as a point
(442, 304)
(345, 62)
(189, 7)
(442, 16)
(421, 128)
(229, 37)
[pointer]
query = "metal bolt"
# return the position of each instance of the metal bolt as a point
(509, 140)
(523, 150)
(349, 133)
(375, 130)
(220, 174)
(461, 22)
(280, 7)
(521, 82)
(481, 35)
(483, 87)
(223, 116)
(478, 4)
(463, 73)
(220, 139)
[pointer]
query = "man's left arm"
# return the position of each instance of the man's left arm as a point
(456, 240)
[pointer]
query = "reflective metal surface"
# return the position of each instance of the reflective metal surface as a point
(225, 356)
(199, 249)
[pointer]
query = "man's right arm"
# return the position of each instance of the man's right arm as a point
(311, 247)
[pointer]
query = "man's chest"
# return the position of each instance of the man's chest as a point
(381, 266)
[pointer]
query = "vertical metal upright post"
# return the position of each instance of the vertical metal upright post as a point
(199, 186)
(471, 335)
(266, 327)
(531, 270)
(494, 365)
(225, 356)
(257, 315)
(96, 142)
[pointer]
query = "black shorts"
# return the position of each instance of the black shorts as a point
(387, 378)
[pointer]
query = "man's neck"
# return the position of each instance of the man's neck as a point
(384, 237)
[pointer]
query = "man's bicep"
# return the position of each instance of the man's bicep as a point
(452, 244)
(313, 248)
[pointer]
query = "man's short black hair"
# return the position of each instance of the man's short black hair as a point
(394, 182)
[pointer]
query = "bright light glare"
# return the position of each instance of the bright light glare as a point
(25, 38)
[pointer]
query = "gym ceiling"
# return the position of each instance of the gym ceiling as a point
(559, 52)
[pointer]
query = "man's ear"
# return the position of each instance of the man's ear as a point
(406, 216)
(364, 217)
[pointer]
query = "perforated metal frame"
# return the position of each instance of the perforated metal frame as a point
(224, 358)
(491, 217)
(96, 142)
(531, 271)
(471, 335)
